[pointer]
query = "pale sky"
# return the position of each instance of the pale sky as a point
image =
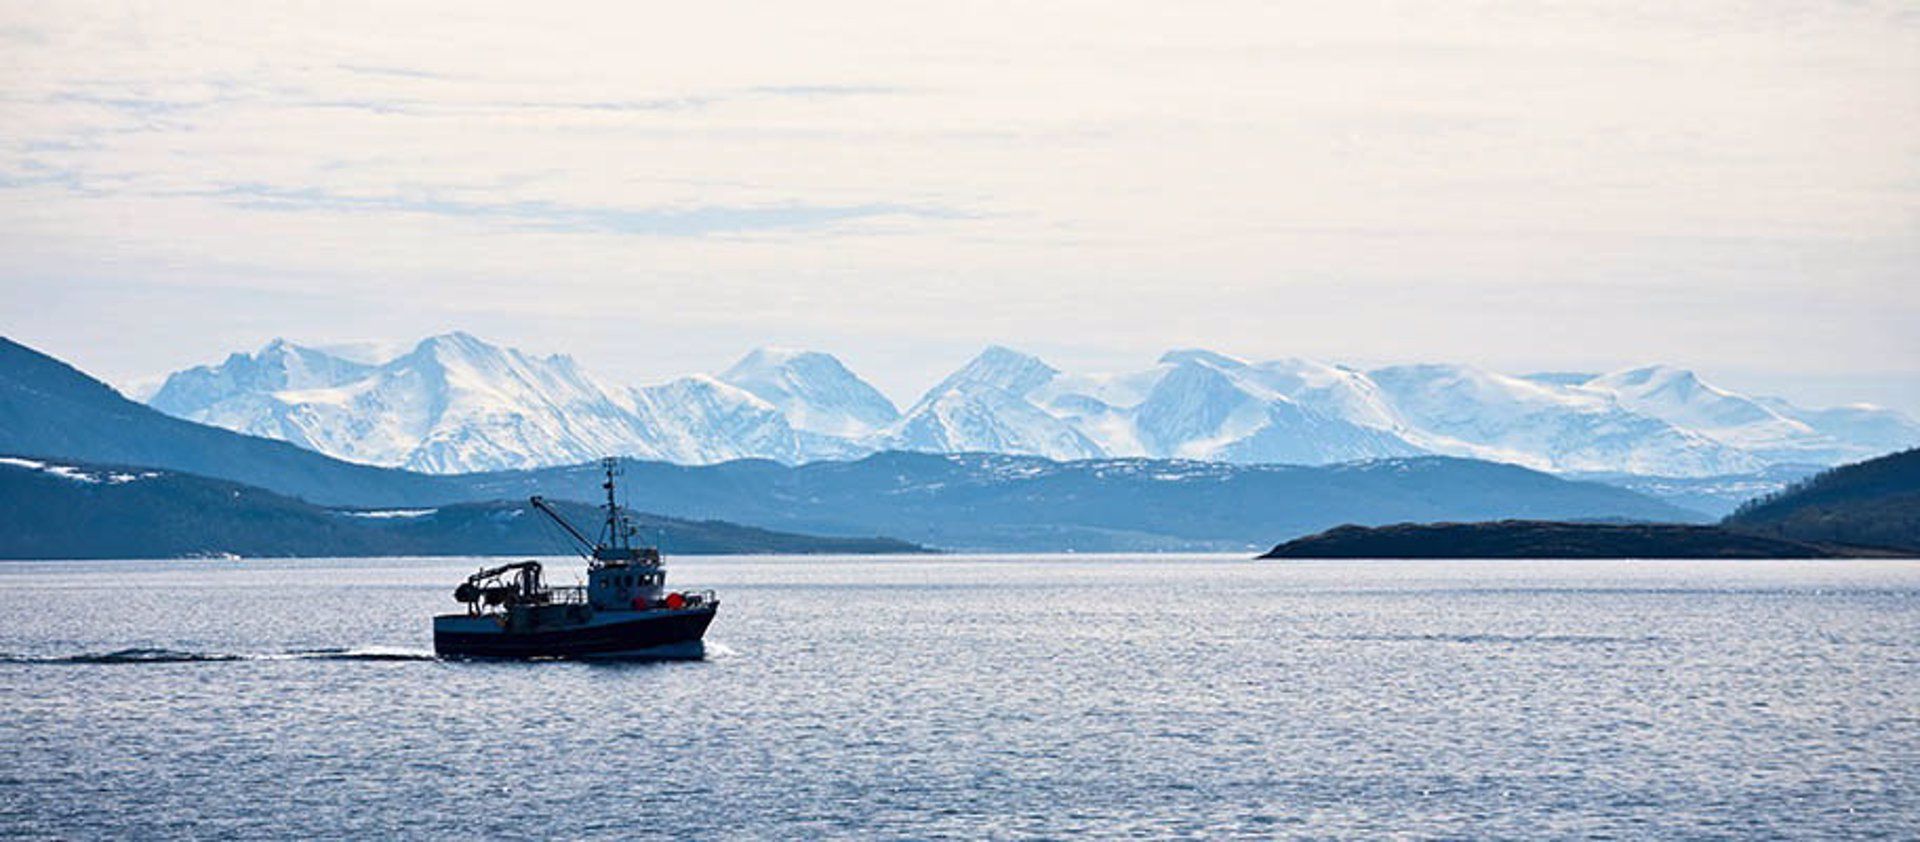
(656, 188)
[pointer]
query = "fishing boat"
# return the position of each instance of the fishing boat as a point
(623, 611)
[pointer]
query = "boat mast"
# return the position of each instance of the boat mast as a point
(617, 530)
(615, 544)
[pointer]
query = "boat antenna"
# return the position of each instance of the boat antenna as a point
(616, 522)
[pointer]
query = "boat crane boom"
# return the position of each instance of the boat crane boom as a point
(540, 503)
(490, 572)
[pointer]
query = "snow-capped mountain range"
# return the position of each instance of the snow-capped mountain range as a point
(454, 403)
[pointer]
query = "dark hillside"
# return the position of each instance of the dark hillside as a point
(1871, 503)
(49, 409)
(1520, 539)
(69, 510)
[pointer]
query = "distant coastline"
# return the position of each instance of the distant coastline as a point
(1868, 509)
(1534, 539)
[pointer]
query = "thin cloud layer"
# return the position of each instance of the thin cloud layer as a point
(1731, 186)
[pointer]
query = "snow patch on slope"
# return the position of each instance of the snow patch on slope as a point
(74, 473)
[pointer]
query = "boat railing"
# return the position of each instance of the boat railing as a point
(568, 595)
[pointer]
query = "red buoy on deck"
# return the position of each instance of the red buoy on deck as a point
(675, 601)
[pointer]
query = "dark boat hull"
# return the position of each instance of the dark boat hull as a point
(648, 635)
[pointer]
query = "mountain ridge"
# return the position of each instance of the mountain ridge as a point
(505, 409)
(53, 413)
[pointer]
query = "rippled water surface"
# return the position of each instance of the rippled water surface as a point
(979, 697)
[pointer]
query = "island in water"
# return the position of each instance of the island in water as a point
(1552, 539)
(1869, 509)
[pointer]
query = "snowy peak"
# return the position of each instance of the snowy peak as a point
(1218, 408)
(454, 402)
(814, 390)
(1467, 411)
(988, 420)
(768, 358)
(983, 408)
(292, 366)
(466, 353)
(1773, 430)
(1198, 356)
(467, 362)
(772, 365)
(278, 365)
(1331, 390)
(1680, 396)
(1863, 430)
(1455, 391)
(997, 367)
(701, 419)
(1653, 378)
(1560, 378)
(456, 342)
(457, 403)
(1193, 407)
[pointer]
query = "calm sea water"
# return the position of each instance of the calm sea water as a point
(979, 697)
